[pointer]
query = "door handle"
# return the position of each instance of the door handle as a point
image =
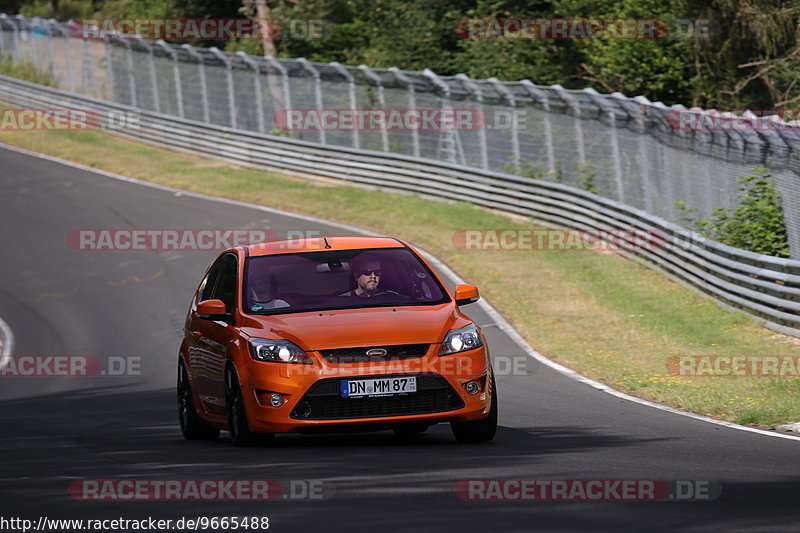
(197, 334)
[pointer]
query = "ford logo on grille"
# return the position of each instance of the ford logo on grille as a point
(376, 352)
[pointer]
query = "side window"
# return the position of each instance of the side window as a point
(226, 284)
(207, 286)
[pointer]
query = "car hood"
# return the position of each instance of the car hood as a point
(349, 328)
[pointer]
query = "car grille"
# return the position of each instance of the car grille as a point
(359, 355)
(323, 401)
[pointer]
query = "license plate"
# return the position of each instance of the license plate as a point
(378, 387)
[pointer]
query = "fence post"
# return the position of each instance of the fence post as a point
(351, 93)
(131, 77)
(88, 68)
(608, 108)
(503, 90)
(317, 91)
(250, 62)
(231, 93)
(412, 104)
(370, 75)
(51, 28)
(14, 40)
(644, 160)
(151, 66)
(449, 142)
(203, 89)
(684, 176)
(576, 109)
(287, 96)
(68, 59)
(473, 87)
(109, 68)
(665, 185)
(536, 92)
(175, 72)
(28, 27)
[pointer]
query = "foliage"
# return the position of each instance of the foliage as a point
(756, 223)
(25, 71)
(586, 177)
(750, 59)
(523, 167)
(753, 59)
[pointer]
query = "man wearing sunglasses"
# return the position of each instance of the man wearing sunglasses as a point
(367, 274)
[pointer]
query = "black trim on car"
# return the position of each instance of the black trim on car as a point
(323, 400)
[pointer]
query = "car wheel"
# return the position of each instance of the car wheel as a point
(240, 432)
(192, 426)
(478, 430)
(410, 429)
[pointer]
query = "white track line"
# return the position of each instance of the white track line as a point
(496, 316)
(6, 344)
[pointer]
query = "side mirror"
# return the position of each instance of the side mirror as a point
(212, 310)
(466, 294)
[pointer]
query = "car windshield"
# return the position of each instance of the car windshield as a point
(313, 281)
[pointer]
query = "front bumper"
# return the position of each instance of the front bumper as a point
(440, 397)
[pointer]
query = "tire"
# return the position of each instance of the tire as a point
(478, 430)
(410, 429)
(192, 426)
(240, 432)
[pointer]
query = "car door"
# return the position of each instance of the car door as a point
(217, 335)
(196, 331)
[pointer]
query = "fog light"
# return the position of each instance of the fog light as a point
(473, 387)
(276, 400)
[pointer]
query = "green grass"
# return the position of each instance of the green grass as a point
(606, 317)
(25, 71)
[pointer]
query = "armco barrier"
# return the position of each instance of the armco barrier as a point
(644, 154)
(764, 286)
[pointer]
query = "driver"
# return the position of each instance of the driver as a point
(263, 290)
(367, 273)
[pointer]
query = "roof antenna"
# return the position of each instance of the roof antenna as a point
(326, 243)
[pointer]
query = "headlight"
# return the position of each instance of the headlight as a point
(461, 340)
(278, 352)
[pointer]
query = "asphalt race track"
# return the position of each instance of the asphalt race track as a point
(131, 304)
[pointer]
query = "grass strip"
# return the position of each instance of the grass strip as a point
(606, 317)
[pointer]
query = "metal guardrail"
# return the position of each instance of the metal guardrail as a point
(764, 286)
(627, 149)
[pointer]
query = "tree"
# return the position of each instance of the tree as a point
(753, 60)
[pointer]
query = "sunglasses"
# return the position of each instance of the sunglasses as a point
(369, 272)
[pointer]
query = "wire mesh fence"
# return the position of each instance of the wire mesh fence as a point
(625, 149)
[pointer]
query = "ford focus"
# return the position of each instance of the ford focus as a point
(331, 334)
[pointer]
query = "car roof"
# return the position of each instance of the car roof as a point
(315, 244)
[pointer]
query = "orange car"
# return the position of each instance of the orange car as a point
(331, 334)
